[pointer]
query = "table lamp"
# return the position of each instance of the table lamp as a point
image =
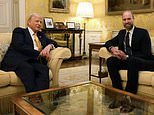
(85, 10)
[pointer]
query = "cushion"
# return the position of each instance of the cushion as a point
(4, 78)
(152, 44)
(50, 75)
(5, 39)
(0, 59)
(14, 80)
(145, 77)
(3, 49)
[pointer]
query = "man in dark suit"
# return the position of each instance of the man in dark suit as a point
(24, 54)
(131, 50)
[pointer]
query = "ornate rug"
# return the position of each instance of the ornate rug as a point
(73, 75)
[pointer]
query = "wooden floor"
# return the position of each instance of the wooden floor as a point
(81, 62)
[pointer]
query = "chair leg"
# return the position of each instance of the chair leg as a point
(101, 73)
(100, 68)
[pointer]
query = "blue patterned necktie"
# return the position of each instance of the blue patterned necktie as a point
(127, 45)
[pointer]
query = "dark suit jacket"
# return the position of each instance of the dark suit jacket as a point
(21, 48)
(140, 45)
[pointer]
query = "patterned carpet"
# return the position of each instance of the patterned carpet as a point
(69, 76)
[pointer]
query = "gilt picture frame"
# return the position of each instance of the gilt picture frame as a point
(114, 7)
(59, 6)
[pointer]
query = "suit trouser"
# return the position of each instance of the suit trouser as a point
(133, 65)
(35, 76)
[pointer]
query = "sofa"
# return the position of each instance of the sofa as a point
(10, 84)
(146, 78)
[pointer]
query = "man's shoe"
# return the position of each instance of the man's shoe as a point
(115, 104)
(126, 105)
(126, 109)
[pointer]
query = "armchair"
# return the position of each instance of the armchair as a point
(146, 78)
(63, 40)
(11, 85)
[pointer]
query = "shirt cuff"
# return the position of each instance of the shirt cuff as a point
(110, 48)
(52, 47)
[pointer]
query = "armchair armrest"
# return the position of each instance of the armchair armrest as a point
(56, 57)
(104, 53)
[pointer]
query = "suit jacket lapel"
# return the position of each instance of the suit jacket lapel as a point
(39, 36)
(123, 37)
(133, 37)
(28, 36)
(42, 40)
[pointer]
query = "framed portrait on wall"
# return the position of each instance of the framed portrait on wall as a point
(59, 6)
(136, 6)
(48, 22)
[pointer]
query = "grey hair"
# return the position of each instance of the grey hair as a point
(33, 15)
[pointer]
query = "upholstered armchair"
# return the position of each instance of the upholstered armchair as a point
(146, 78)
(11, 85)
(63, 40)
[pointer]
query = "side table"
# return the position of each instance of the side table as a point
(96, 46)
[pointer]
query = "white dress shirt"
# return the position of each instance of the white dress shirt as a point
(32, 35)
(130, 35)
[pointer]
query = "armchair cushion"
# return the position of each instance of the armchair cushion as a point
(5, 39)
(145, 77)
(152, 44)
(4, 77)
(3, 49)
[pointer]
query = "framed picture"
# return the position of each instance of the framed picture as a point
(59, 6)
(59, 25)
(77, 26)
(70, 25)
(48, 22)
(136, 6)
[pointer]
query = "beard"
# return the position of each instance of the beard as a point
(128, 26)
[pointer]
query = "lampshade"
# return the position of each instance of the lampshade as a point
(85, 10)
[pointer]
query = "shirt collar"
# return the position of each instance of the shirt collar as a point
(131, 31)
(30, 31)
